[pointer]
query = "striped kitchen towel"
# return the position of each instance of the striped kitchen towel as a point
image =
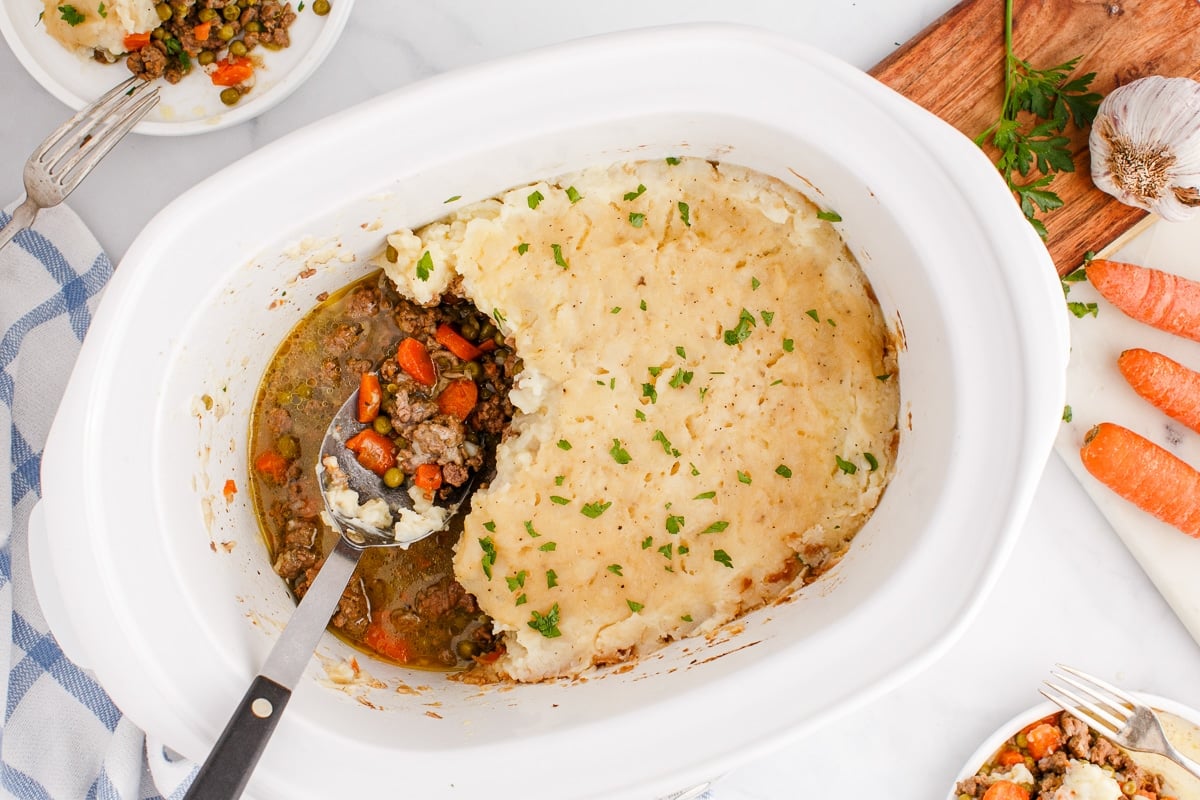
(62, 737)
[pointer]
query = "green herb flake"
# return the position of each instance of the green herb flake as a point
(615, 310)
(845, 466)
(634, 606)
(300, 7)
(873, 462)
(521, 600)
(498, 315)
(743, 477)
(788, 345)
(648, 390)
(558, 479)
(634, 195)
(490, 525)
(685, 213)
(740, 332)
(639, 414)
(559, 500)
(717, 527)
(102, 11)
(551, 579)
(705, 496)
(642, 305)
(681, 378)
(662, 439)
(452, 199)
(529, 529)
(573, 195)
(674, 523)
(619, 453)
(548, 547)
(721, 557)
(1068, 414)
(546, 624)
(686, 618)
(424, 266)
(784, 470)
(517, 581)
(829, 216)
(70, 15)
(636, 219)
(1082, 310)
(884, 377)
(683, 550)
(767, 317)
(812, 312)
(695, 471)
(489, 555)
(563, 444)
(593, 510)
(558, 256)
(535, 199)
(679, 351)
(615, 569)
(754, 284)
(674, 161)
(666, 550)
(522, 248)
(647, 542)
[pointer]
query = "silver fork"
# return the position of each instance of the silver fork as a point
(1113, 713)
(69, 154)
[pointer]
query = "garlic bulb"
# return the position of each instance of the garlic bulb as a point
(1145, 146)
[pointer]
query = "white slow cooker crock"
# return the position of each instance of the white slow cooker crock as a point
(150, 578)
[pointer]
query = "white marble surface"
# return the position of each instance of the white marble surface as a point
(1071, 591)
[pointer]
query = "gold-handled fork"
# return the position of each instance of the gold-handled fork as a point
(69, 154)
(1113, 713)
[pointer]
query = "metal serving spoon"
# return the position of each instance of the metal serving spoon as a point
(236, 752)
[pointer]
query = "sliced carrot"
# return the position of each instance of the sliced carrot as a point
(272, 465)
(1005, 790)
(230, 490)
(1145, 474)
(458, 399)
(413, 358)
(428, 477)
(232, 71)
(135, 41)
(1009, 756)
(370, 397)
(1161, 299)
(382, 641)
(201, 31)
(373, 450)
(1043, 740)
(1169, 385)
(456, 343)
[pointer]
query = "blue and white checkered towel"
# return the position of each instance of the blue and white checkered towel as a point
(62, 737)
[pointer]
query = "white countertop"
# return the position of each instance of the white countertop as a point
(1071, 592)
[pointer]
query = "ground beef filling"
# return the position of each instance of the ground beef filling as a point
(402, 605)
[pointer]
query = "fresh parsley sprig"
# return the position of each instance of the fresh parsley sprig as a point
(1038, 106)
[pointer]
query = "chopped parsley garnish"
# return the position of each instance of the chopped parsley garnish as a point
(754, 284)
(685, 213)
(705, 496)
(721, 557)
(535, 199)
(673, 160)
(102, 11)
(829, 216)
(634, 606)
(716, 527)
(593, 510)
(558, 256)
(1081, 310)
(551, 579)
(681, 378)
(517, 581)
(654, 371)
(636, 194)
(767, 316)
(529, 529)
(662, 439)
(883, 377)
(873, 462)
(522, 248)
(694, 470)
(619, 453)
(175, 48)
(490, 525)
(686, 618)
(452, 199)
(558, 479)
(741, 332)
(636, 219)
(424, 266)
(489, 555)
(573, 195)
(674, 523)
(642, 305)
(563, 444)
(1068, 414)
(615, 569)
(666, 550)
(743, 477)
(546, 624)
(548, 547)
(559, 500)
(641, 415)
(788, 345)
(679, 351)
(521, 600)
(498, 315)
(812, 312)
(648, 390)
(70, 15)
(615, 310)
(845, 466)
(647, 542)
(784, 470)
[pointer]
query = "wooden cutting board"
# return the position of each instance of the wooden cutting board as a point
(954, 68)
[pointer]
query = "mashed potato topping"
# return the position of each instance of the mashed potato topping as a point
(86, 26)
(707, 413)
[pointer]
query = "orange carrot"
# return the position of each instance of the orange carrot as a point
(230, 490)
(1157, 298)
(456, 343)
(135, 41)
(1009, 756)
(272, 465)
(413, 358)
(458, 399)
(374, 451)
(1043, 739)
(428, 477)
(232, 71)
(1167, 384)
(1005, 790)
(370, 397)
(1144, 474)
(382, 641)
(201, 31)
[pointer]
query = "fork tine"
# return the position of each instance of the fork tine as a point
(1121, 695)
(106, 135)
(96, 110)
(1074, 704)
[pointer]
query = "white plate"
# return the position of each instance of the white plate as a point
(1183, 729)
(191, 106)
(1097, 393)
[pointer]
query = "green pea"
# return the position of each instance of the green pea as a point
(288, 446)
(160, 34)
(206, 57)
(320, 7)
(230, 96)
(205, 14)
(164, 11)
(237, 48)
(391, 254)
(473, 370)
(393, 478)
(469, 328)
(231, 12)
(283, 399)
(253, 26)
(225, 33)
(487, 331)
(382, 425)
(303, 390)
(466, 649)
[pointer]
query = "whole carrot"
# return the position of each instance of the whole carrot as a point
(1152, 296)
(1144, 474)
(1169, 385)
